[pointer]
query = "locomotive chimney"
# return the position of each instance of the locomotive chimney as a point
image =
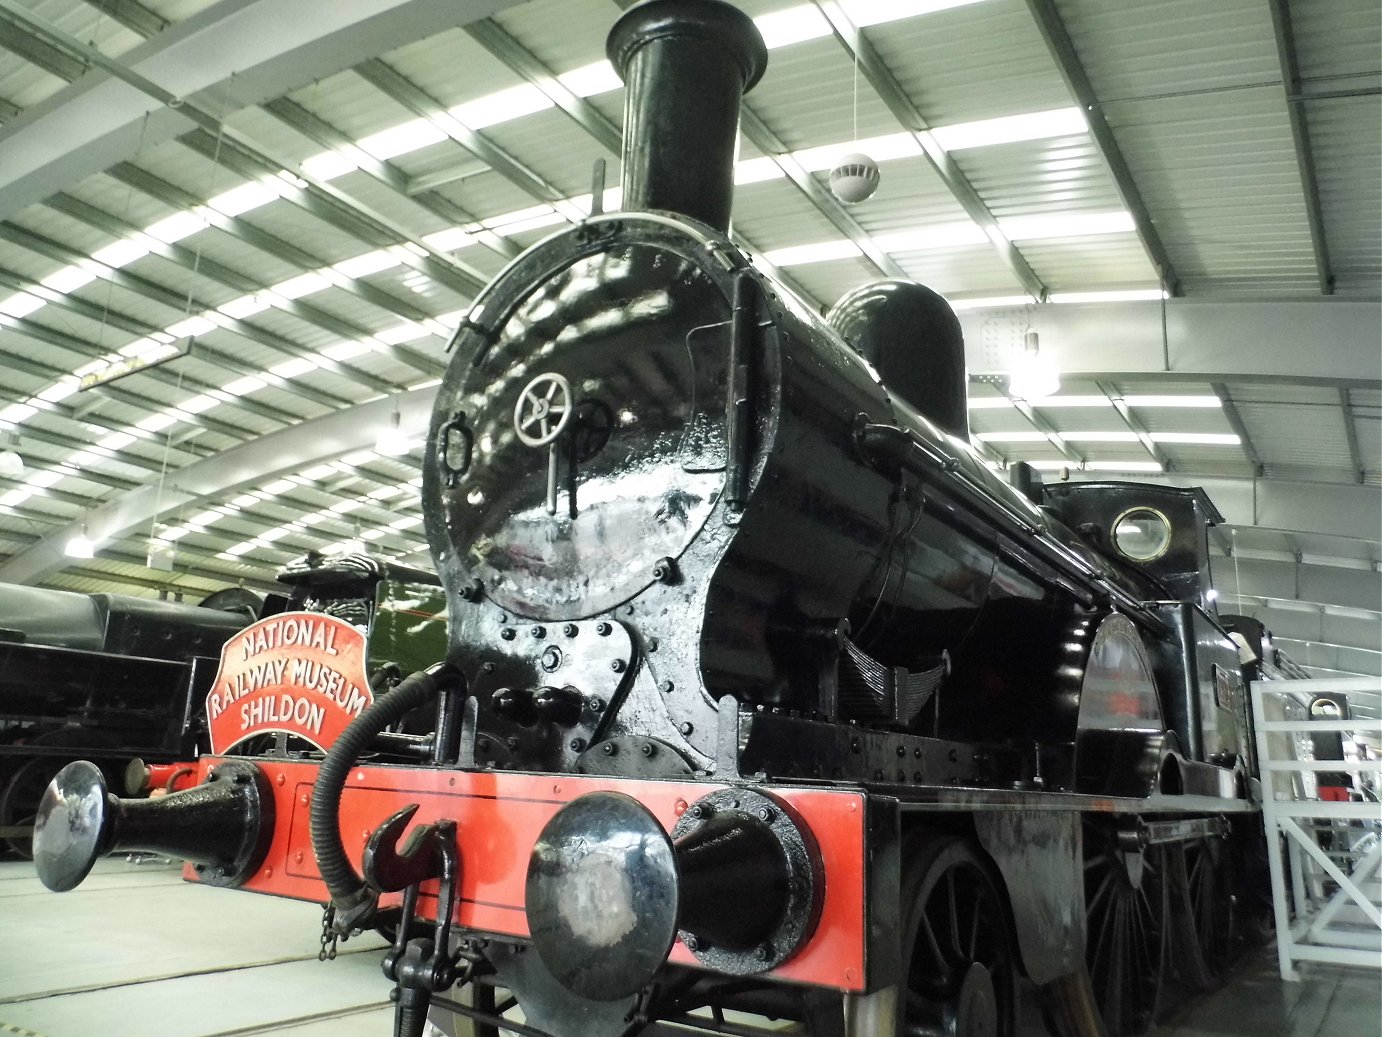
(686, 65)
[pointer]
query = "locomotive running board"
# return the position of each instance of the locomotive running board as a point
(499, 816)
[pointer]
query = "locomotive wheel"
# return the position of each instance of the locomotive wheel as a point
(1125, 929)
(477, 996)
(1203, 911)
(26, 784)
(19, 802)
(958, 965)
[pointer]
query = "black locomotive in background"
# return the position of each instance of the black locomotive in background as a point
(694, 537)
(123, 680)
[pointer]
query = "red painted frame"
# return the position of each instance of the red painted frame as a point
(499, 815)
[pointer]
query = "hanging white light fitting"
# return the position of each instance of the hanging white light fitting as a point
(393, 441)
(80, 546)
(1033, 374)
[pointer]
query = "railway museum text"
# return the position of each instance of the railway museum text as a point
(289, 681)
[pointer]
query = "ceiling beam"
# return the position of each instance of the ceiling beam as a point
(132, 15)
(18, 40)
(398, 88)
(825, 203)
(1134, 425)
(225, 474)
(876, 72)
(133, 326)
(225, 57)
(1048, 430)
(1300, 136)
(157, 293)
(523, 63)
(1240, 429)
(1326, 509)
(317, 129)
(1299, 581)
(1217, 340)
(1351, 434)
(1052, 28)
(244, 231)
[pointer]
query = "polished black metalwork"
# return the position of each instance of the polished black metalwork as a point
(912, 338)
(685, 65)
(608, 889)
(602, 896)
(222, 825)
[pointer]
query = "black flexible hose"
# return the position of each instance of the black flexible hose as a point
(353, 900)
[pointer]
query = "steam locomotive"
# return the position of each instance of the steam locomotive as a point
(761, 690)
(100, 676)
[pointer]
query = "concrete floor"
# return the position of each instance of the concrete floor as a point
(116, 958)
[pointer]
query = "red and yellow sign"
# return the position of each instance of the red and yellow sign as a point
(299, 673)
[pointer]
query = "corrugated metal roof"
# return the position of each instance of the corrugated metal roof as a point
(974, 62)
(1219, 170)
(1192, 91)
(1346, 139)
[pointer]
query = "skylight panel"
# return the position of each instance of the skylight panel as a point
(194, 325)
(243, 198)
(59, 390)
(799, 255)
(303, 284)
(156, 422)
(450, 240)
(1207, 402)
(991, 302)
(401, 139)
(1122, 466)
(16, 413)
(68, 279)
(1197, 438)
(1094, 402)
(176, 227)
(241, 386)
(319, 472)
(501, 106)
(346, 506)
(1132, 295)
(21, 304)
(198, 404)
(941, 235)
(792, 25)
(1024, 436)
(245, 306)
(299, 365)
(278, 486)
(329, 165)
(14, 497)
(864, 13)
(880, 149)
(589, 80)
(757, 171)
(173, 533)
(405, 332)
(1102, 437)
(1008, 129)
(348, 350)
(45, 479)
(116, 441)
(1053, 226)
(370, 262)
(123, 252)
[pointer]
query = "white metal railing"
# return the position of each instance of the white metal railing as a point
(1325, 856)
